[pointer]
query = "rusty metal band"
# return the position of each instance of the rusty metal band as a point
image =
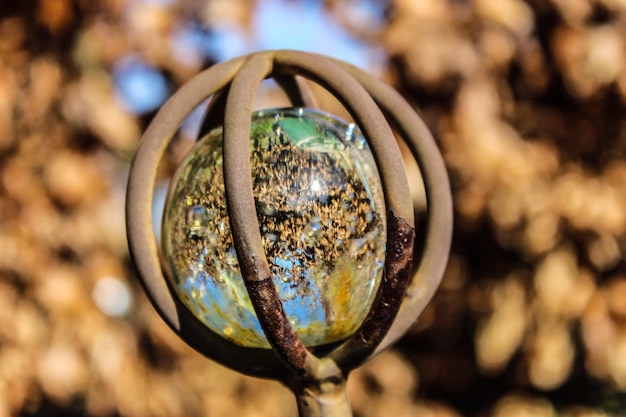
(439, 200)
(362, 345)
(399, 207)
(243, 217)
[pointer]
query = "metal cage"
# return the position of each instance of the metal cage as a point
(318, 380)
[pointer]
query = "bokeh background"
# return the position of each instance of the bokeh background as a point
(527, 100)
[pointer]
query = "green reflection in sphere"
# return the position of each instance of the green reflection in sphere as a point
(321, 213)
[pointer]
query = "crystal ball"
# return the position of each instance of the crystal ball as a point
(321, 214)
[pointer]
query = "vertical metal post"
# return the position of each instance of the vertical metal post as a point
(327, 401)
(324, 395)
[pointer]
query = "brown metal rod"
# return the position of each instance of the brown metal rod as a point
(243, 217)
(400, 226)
(439, 200)
(214, 114)
(142, 177)
(319, 385)
(142, 243)
(367, 116)
(297, 90)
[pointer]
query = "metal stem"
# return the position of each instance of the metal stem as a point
(329, 402)
(324, 394)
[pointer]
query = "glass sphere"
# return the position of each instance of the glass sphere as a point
(321, 214)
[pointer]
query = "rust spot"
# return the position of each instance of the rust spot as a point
(280, 334)
(400, 237)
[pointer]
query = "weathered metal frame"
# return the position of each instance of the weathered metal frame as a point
(318, 381)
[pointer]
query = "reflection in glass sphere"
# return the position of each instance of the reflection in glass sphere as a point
(320, 209)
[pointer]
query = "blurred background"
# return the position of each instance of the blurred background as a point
(526, 99)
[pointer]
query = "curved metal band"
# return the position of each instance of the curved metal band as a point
(296, 89)
(439, 200)
(142, 242)
(243, 217)
(400, 226)
(367, 116)
(143, 174)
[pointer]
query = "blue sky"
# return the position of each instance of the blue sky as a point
(277, 24)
